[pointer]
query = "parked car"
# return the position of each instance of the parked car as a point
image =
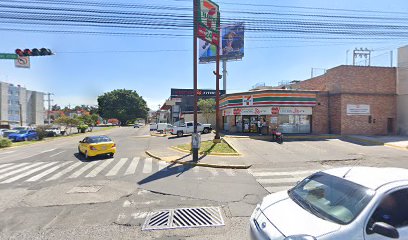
(15, 130)
(52, 132)
(153, 126)
(23, 135)
(96, 145)
(344, 203)
(164, 127)
(136, 126)
(2, 131)
(188, 128)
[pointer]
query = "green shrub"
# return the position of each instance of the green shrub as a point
(4, 142)
(82, 128)
(42, 131)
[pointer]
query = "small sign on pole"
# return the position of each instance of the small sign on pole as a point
(22, 62)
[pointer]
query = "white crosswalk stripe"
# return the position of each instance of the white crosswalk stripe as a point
(274, 180)
(83, 169)
(20, 170)
(65, 171)
(13, 167)
(5, 165)
(147, 167)
(163, 166)
(117, 167)
(25, 174)
(49, 171)
(133, 166)
(99, 168)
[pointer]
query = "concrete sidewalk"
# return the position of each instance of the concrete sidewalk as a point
(400, 142)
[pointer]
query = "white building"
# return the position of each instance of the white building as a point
(32, 105)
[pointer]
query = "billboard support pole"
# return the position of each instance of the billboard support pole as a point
(195, 16)
(224, 75)
(217, 91)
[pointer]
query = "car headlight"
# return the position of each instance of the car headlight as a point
(300, 237)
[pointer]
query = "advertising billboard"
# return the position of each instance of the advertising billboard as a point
(232, 45)
(208, 19)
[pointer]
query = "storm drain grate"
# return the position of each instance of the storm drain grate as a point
(184, 218)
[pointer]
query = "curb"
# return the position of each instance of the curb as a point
(177, 160)
(376, 142)
(209, 154)
(287, 137)
(231, 146)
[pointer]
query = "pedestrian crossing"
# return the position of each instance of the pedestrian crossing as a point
(30, 172)
(280, 179)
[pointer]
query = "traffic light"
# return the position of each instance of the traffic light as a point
(34, 52)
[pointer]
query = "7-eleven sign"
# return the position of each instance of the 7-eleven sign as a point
(208, 22)
(248, 100)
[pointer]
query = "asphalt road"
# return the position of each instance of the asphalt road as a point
(48, 191)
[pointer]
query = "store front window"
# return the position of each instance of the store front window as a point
(294, 123)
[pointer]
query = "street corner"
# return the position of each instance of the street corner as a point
(79, 192)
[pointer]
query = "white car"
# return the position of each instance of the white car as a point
(188, 128)
(350, 203)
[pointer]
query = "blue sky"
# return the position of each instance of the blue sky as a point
(79, 71)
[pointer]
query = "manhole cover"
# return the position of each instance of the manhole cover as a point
(85, 189)
(184, 218)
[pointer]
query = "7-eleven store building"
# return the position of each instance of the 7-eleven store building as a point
(289, 110)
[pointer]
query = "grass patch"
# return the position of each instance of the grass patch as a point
(208, 147)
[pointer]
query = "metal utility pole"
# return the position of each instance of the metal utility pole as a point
(217, 93)
(21, 114)
(391, 58)
(195, 76)
(49, 100)
(224, 75)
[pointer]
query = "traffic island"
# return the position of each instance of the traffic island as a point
(210, 148)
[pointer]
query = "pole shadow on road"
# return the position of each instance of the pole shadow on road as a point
(172, 169)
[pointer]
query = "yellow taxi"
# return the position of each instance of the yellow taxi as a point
(97, 145)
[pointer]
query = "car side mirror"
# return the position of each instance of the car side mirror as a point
(385, 229)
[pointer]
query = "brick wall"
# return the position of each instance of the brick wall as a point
(381, 107)
(375, 86)
(320, 123)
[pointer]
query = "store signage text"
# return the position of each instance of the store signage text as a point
(295, 110)
(268, 111)
(248, 100)
(358, 109)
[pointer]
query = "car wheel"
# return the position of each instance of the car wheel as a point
(111, 155)
(205, 131)
(179, 134)
(79, 151)
(86, 155)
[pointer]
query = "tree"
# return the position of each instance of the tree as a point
(55, 107)
(67, 122)
(122, 104)
(90, 120)
(207, 107)
(93, 110)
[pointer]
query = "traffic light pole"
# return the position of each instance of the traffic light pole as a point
(195, 73)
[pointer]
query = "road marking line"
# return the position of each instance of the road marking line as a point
(6, 152)
(139, 215)
(99, 168)
(65, 171)
(229, 172)
(49, 150)
(270, 174)
(15, 178)
(147, 167)
(163, 166)
(19, 170)
(82, 170)
(53, 155)
(117, 167)
(213, 171)
(5, 165)
(132, 167)
(280, 180)
(277, 189)
(12, 167)
(45, 173)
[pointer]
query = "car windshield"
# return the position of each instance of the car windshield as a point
(22, 132)
(331, 198)
(99, 139)
(19, 128)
